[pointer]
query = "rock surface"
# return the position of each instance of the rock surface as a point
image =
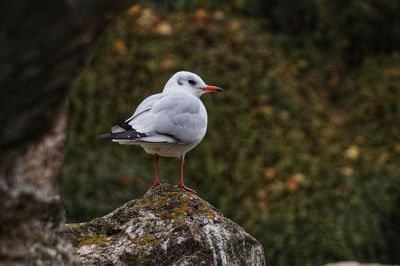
(354, 263)
(168, 226)
(43, 46)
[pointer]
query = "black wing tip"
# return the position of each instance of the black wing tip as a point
(125, 135)
(125, 126)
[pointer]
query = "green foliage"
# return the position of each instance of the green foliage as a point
(352, 27)
(355, 28)
(301, 150)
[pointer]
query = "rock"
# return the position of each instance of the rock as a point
(354, 263)
(168, 226)
(43, 46)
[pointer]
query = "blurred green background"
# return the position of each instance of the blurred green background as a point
(303, 146)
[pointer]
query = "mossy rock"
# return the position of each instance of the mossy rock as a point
(168, 226)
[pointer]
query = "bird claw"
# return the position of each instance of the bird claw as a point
(183, 186)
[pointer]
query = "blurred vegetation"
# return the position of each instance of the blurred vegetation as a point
(303, 146)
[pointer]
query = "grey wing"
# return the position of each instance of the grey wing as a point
(146, 105)
(143, 107)
(180, 117)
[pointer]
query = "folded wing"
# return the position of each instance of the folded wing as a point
(164, 118)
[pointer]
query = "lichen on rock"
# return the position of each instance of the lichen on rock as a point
(168, 226)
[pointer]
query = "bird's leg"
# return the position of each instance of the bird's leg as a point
(156, 182)
(181, 182)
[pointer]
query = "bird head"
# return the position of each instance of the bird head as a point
(189, 82)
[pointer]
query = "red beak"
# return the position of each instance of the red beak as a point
(212, 89)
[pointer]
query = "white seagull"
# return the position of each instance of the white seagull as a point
(168, 124)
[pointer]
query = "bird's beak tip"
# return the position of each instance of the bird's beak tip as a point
(212, 89)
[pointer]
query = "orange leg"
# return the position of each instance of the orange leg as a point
(156, 182)
(181, 182)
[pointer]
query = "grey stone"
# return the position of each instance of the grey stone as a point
(168, 226)
(43, 46)
(354, 263)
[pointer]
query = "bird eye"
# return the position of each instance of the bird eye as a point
(192, 82)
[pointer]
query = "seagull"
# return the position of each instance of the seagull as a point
(168, 124)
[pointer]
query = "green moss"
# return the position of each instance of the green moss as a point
(94, 232)
(93, 240)
(148, 240)
(100, 226)
(181, 210)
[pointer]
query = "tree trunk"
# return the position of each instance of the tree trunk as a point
(43, 46)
